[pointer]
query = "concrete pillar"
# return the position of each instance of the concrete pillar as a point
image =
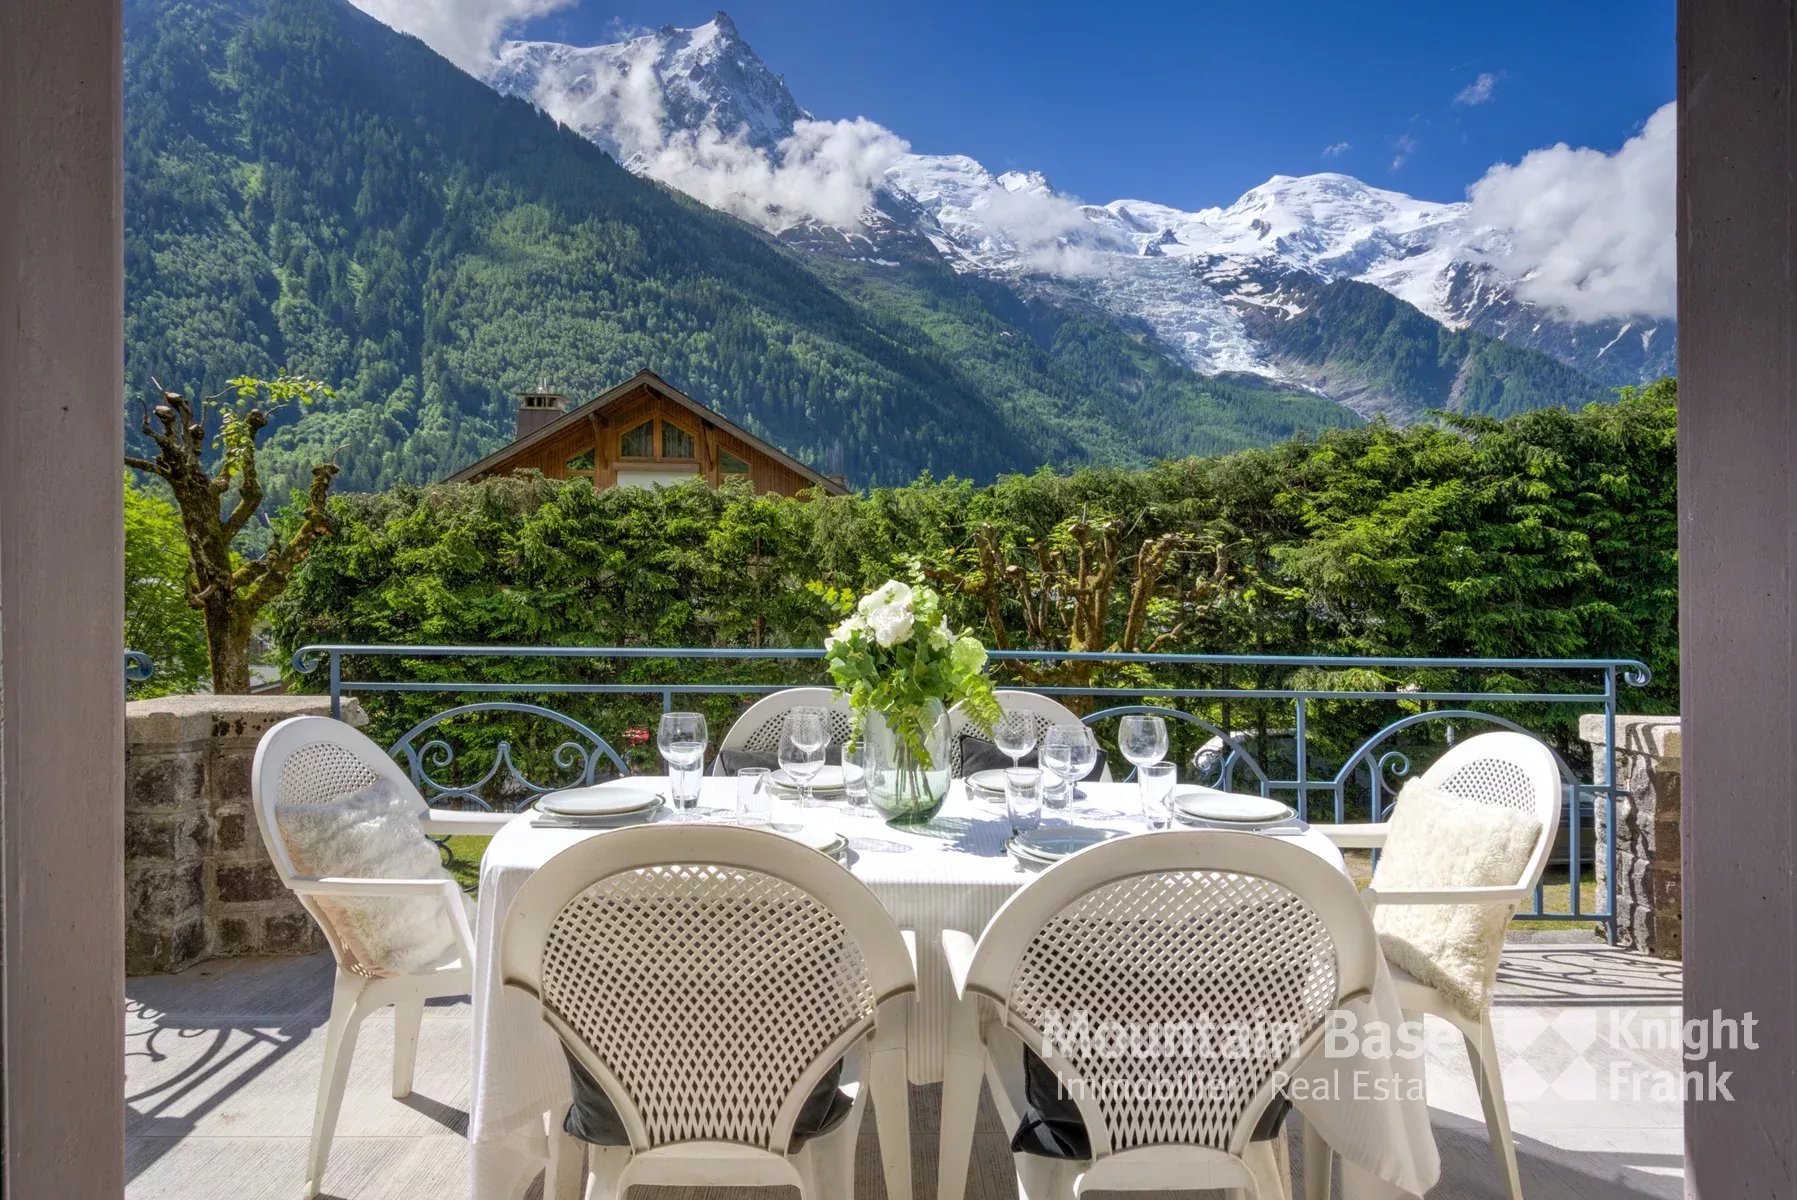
(1737, 495)
(61, 580)
(1649, 821)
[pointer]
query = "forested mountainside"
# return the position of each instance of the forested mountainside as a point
(308, 190)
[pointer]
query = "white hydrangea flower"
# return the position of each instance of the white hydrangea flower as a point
(843, 632)
(940, 637)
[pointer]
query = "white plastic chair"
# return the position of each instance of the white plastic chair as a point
(707, 978)
(1511, 770)
(312, 760)
(758, 729)
(1045, 709)
(1154, 931)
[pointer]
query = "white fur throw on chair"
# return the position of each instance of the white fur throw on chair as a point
(1439, 840)
(373, 833)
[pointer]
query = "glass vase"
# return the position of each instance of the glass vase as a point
(907, 763)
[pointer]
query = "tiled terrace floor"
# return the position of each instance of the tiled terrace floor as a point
(222, 1064)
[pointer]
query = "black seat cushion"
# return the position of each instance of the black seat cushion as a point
(593, 1119)
(741, 760)
(1051, 1127)
(978, 754)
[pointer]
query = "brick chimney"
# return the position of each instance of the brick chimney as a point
(539, 408)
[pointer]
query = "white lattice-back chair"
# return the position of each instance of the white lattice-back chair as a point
(1046, 711)
(1155, 931)
(1510, 770)
(758, 729)
(707, 978)
(310, 760)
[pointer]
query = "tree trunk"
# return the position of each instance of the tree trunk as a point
(228, 645)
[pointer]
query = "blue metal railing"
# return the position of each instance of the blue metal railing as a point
(1593, 685)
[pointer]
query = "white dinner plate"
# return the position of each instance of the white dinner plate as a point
(1230, 808)
(602, 801)
(1052, 845)
(992, 781)
(828, 779)
(824, 841)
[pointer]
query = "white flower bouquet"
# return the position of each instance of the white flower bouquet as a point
(896, 659)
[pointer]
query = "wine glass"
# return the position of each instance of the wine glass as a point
(1142, 738)
(682, 738)
(1015, 736)
(1064, 748)
(803, 736)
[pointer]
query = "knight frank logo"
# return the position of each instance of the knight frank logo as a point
(1612, 1054)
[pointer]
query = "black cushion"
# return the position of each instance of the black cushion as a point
(593, 1119)
(740, 760)
(978, 754)
(1050, 1126)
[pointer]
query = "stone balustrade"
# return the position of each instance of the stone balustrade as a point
(198, 882)
(1649, 891)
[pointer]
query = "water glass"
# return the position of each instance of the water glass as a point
(682, 738)
(854, 774)
(1023, 799)
(1015, 736)
(804, 735)
(754, 797)
(1158, 782)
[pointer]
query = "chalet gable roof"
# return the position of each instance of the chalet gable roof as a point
(655, 383)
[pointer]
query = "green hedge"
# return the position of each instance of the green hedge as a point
(1550, 534)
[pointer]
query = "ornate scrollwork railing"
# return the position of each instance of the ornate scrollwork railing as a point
(1369, 767)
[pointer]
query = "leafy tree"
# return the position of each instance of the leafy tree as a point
(158, 620)
(228, 591)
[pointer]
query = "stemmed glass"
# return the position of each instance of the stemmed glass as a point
(1142, 737)
(1069, 751)
(682, 739)
(803, 736)
(1015, 736)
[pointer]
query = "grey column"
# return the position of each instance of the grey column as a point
(61, 583)
(1738, 570)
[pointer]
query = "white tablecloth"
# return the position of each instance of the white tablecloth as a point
(951, 874)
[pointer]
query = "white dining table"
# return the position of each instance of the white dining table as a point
(953, 873)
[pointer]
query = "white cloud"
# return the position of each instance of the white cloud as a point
(1405, 145)
(1336, 149)
(1480, 90)
(1048, 231)
(463, 31)
(826, 170)
(1589, 232)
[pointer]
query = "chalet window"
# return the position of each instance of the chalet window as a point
(638, 442)
(729, 464)
(676, 442)
(580, 464)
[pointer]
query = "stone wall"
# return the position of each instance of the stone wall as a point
(198, 883)
(1649, 878)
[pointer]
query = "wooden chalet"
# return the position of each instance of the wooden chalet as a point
(645, 431)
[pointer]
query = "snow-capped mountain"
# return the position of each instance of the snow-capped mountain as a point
(698, 109)
(627, 95)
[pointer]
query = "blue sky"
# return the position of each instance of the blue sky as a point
(1191, 104)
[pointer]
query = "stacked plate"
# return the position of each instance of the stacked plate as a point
(598, 807)
(988, 785)
(1229, 810)
(827, 784)
(824, 841)
(1045, 847)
